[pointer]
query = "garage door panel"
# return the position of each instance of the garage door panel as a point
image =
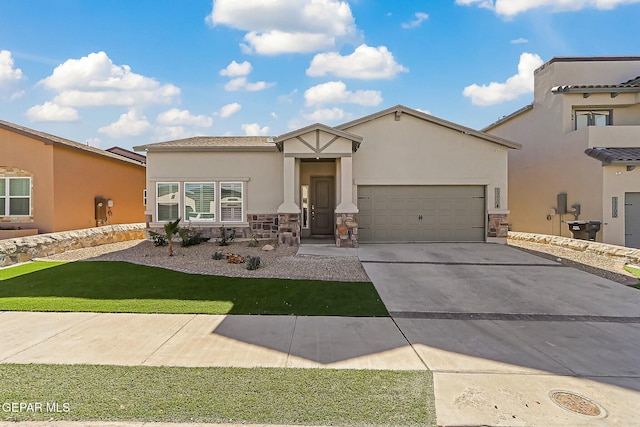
(421, 213)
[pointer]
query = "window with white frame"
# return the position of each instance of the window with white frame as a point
(585, 118)
(15, 196)
(199, 201)
(167, 201)
(231, 202)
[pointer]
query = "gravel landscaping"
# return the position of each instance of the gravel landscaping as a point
(608, 268)
(282, 262)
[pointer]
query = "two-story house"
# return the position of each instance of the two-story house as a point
(581, 149)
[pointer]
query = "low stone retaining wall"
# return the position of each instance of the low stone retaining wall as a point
(620, 253)
(24, 249)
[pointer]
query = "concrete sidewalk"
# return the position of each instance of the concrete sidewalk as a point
(205, 341)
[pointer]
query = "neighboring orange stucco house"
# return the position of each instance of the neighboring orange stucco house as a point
(52, 184)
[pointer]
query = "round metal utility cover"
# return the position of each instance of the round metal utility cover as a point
(577, 404)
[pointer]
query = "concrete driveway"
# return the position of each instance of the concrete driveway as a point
(502, 330)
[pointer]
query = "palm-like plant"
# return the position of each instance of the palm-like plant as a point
(170, 229)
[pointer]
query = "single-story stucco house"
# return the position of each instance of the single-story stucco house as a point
(398, 175)
(50, 184)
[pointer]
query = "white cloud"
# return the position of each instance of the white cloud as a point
(365, 62)
(133, 123)
(326, 115)
(286, 26)
(509, 8)
(274, 115)
(514, 86)
(419, 18)
(424, 111)
(336, 92)
(176, 117)
(254, 129)
(9, 76)
(230, 109)
(94, 80)
(241, 83)
(94, 142)
(519, 41)
(234, 69)
(50, 112)
(169, 133)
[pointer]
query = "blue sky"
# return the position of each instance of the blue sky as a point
(133, 72)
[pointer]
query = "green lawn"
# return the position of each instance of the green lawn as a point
(635, 271)
(220, 395)
(101, 286)
(30, 267)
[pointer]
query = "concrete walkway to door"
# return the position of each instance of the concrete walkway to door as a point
(502, 330)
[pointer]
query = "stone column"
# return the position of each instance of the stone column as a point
(346, 211)
(289, 211)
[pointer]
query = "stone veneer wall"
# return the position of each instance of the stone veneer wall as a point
(289, 228)
(621, 253)
(24, 249)
(347, 230)
(498, 225)
(264, 226)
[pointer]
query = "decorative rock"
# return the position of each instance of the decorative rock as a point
(268, 248)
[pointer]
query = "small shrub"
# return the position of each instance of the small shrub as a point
(254, 241)
(234, 258)
(218, 256)
(226, 237)
(253, 262)
(158, 239)
(190, 236)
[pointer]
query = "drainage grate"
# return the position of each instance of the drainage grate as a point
(575, 403)
(510, 316)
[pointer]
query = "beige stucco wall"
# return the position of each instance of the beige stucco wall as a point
(81, 176)
(36, 158)
(552, 159)
(412, 151)
(261, 172)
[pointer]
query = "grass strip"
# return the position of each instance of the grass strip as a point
(101, 286)
(30, 267)
(633, 270)
(220, 395)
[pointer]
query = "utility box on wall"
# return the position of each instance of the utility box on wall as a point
(101, 211)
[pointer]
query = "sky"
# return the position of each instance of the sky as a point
(124, 73)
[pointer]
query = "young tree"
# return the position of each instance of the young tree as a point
(170, 229)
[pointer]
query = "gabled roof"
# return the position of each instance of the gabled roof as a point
(49, 139)
(508, 117)
(615, 156)
(128, 154)
(213, 143)
(398, 110)
(355, 139)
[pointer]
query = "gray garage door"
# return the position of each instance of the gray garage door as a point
(421, 213)
(632, 220)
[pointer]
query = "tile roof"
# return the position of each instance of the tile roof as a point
(631, 85)
(615, 156)
(52, 139)
(212, 143)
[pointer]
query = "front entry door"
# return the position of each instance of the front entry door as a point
(322, 205)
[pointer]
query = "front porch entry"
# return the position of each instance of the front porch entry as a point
(318, 185)
(322, 201)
